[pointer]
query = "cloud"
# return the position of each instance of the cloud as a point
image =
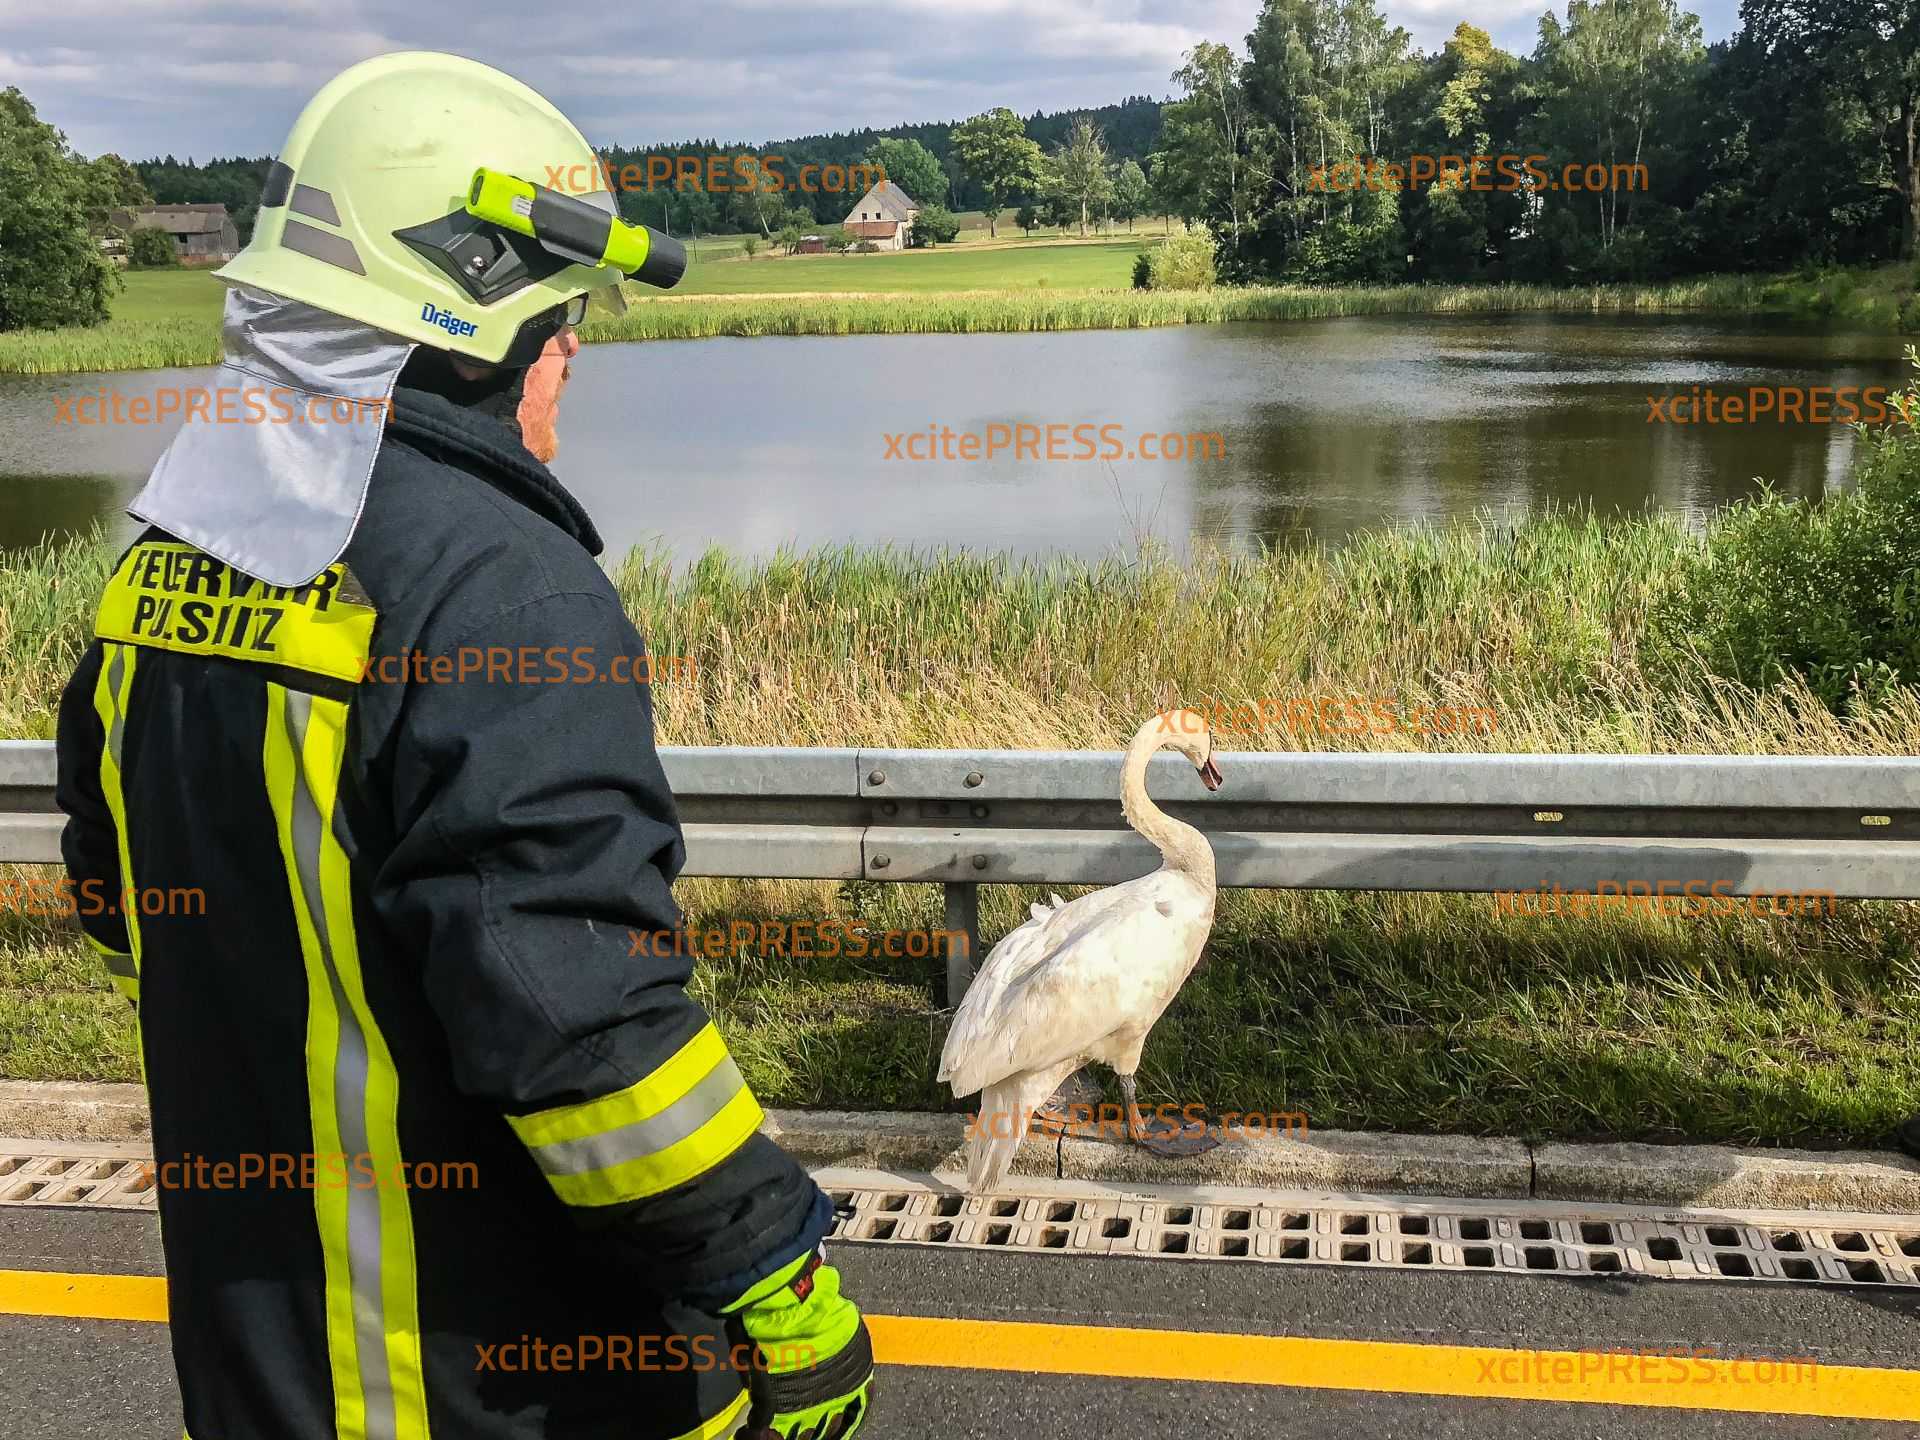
(208, 77)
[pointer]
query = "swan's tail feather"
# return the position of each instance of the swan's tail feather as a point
(1006, 1107)
(1001, 1126)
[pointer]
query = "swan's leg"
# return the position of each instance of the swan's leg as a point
(1056, 1117)
(1178, 1143)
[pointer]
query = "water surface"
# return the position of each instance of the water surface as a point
(1327, 427)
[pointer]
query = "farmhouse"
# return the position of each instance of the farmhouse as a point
(884, 216)
(200, 232)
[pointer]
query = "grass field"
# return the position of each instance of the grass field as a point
(967, 265)
(1405, 1012)
(170, 318)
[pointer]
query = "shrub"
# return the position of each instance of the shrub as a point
(1829, 589)
(151, 248)
(934, 225)
(1183, 262)
(1142, 272)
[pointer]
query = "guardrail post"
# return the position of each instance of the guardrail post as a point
(963, 914)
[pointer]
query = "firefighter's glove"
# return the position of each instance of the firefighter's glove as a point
(817, 1379)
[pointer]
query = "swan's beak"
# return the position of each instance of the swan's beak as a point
(1210, 775)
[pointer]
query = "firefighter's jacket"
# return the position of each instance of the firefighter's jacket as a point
(379, 944)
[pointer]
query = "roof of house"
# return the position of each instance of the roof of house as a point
(888, 199)
(873, 229)
(174, 219)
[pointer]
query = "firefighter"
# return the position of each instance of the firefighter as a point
(439, 1153)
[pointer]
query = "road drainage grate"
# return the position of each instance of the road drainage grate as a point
(1389, 1234)
(112, 1182)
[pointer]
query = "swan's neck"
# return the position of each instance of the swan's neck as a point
(1182, 847)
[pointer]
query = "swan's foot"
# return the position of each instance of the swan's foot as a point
(1197, 1140)
(1163, 1137)
(1056, 1117)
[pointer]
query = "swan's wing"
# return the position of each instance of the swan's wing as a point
(1067, 979)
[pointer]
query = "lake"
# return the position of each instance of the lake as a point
(1321, 428)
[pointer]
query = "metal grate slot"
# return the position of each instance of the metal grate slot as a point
(1391, 1234)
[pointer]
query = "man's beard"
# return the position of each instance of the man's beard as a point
(538, 409)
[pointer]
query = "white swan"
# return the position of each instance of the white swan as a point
(1087, 980)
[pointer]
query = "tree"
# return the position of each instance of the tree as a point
(115, 185)
(913, 167)
(1216, 162)
(1129, 191)
(51, 269)
(934, 225)
(1611, 74)
(750, 243)
(761, 209)
(998, 157)
(150, 247)
(1080, 168)
(1869, 50)
(1026, 217)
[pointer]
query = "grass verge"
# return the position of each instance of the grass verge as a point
(1402, 1012)
(171, 318)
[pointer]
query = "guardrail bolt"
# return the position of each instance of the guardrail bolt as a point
(975, 779)
(979, 862)
(879, 862)
(890, 807)
(979, 812)
(878, 777)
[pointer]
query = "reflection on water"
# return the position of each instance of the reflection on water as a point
(1329, 426)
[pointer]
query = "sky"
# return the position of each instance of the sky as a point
(201, 78)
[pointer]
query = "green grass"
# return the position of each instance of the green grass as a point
(1403, 1012)
(1044, 310)
(967, 265)
(171, 318)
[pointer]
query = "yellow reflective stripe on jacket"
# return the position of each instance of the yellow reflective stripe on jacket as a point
(674, 1125)
(366, 1232)
(175, 597)
(121, 970)
(720, 1424)
(111, 694)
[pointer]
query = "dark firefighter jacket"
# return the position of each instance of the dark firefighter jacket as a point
(462, 1123)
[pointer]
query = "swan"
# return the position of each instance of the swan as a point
(1087, 980)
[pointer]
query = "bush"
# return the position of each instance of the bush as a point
(750, 244)
(151, 248)
(934, 225)
(1142, 272)
(1828, 589)
(1184, 262)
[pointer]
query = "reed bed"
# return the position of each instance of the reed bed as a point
(983, 312)
(148, 343)
(1403, 1012)
(114, 345)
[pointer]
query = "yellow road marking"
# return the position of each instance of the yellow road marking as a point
(1384, 1367)
(83, 1297)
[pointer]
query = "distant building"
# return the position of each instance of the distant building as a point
(200, 232)
(884, 215)
(812, 245)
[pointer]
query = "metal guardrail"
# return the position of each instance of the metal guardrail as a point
(957, 818)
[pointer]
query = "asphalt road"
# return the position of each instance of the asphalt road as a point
(79, 1378)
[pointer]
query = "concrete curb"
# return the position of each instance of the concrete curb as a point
(72, 1110)
(1460, 1167)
